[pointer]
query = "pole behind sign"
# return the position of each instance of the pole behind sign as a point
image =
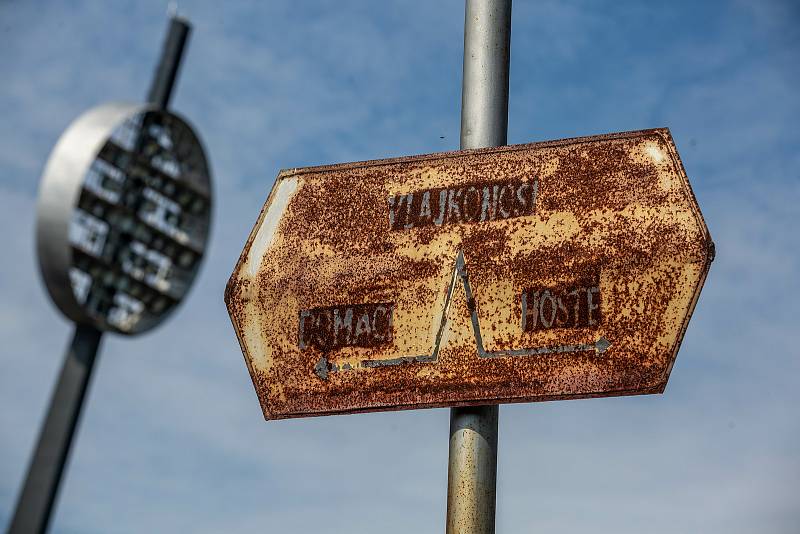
(472, 466)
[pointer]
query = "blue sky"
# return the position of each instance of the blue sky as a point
(172, 437)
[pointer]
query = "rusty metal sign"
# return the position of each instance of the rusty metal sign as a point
(554, 270)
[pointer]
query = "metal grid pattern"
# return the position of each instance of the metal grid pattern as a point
(139, 229)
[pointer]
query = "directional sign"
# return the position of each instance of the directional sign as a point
(547, 271)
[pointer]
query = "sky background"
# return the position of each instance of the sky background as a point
(172, 437)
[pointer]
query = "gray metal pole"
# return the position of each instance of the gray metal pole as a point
(35, 503)
(472, 467)
(167, 70)
(484, 92)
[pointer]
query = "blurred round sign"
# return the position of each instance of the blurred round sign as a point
(123, 216)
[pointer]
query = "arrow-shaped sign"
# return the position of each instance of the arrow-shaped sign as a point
(347, 296)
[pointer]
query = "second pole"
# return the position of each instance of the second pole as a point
(472, 466)
(40, 487)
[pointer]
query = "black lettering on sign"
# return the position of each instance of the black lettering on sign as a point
(480, 202)
(358, 325)
(573, 306)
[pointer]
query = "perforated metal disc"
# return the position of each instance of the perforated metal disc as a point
(123, 216)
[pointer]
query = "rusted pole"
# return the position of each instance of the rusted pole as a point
(472, 467)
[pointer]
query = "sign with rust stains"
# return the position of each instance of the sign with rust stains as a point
(555, 270)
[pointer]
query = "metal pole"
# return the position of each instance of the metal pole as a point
(167, 70)
(38, 495)
(472, 467)
(52, 451)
